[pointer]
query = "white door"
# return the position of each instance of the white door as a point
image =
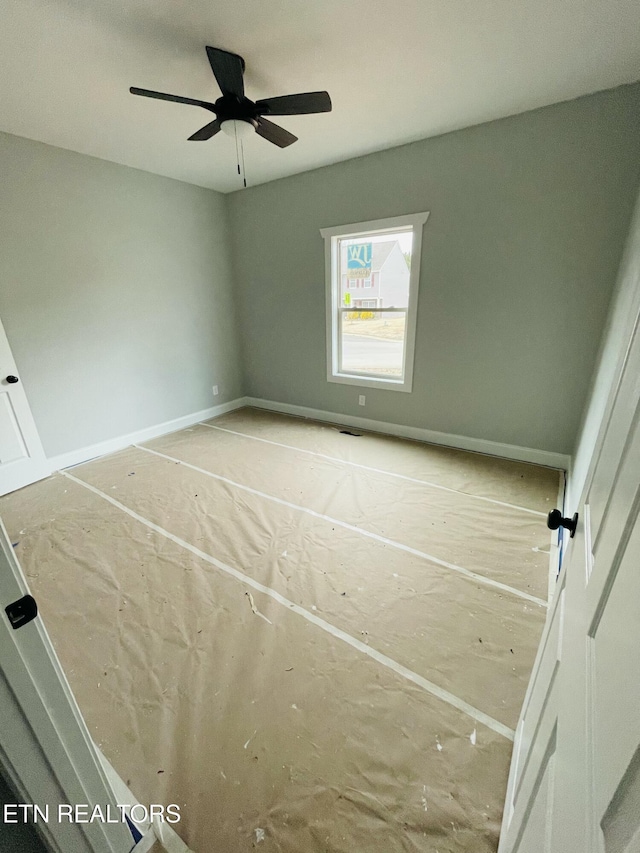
(45, 748)
(574, 785)
(22, 458)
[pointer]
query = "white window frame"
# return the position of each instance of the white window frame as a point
(331, 237)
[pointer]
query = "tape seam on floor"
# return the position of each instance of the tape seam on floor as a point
(352, 527)
(375, 470)
(151, 830)
(338, 633)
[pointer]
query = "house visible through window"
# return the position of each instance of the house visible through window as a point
(370, 340)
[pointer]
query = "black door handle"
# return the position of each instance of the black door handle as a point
(12, 380)
(555, 520)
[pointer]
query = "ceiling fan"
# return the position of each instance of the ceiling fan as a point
(238, 116)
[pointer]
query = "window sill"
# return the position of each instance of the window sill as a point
(370, 382)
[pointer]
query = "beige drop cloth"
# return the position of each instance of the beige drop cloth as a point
(278, 725)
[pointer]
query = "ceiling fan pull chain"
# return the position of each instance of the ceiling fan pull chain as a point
(235, 127)
(244, 171)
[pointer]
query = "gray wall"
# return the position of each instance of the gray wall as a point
(617, 336)
(115, 294)
(117, 290)
(528, 220)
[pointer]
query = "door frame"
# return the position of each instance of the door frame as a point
(46, 750)
(608, 381)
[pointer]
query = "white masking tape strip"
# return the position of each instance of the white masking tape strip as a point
(146, 843)
(151, 832)
(168, 837)
(388, 662)
(375, 470)
(359, 530)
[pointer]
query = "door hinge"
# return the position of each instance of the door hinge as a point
(22, 611)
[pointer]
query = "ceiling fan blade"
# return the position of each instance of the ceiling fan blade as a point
(227, 69)
(274, 133)
(162, 96)
(206, 132)
(290, 105)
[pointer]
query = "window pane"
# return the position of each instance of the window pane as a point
(374, 274)
(373, 343)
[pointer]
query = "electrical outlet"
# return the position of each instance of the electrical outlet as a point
(361, 400)
(215, 390)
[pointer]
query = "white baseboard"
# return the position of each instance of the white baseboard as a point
(112, 445)
(461, 442)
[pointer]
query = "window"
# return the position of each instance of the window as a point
(370, 342)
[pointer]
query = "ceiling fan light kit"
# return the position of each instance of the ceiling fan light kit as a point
(240, 129)
(235, 114)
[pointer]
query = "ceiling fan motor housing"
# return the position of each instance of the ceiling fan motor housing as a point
(230, 108)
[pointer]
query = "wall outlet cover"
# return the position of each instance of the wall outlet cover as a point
(361, 400)
(215, 390)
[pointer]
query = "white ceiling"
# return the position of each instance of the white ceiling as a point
(397, 71)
